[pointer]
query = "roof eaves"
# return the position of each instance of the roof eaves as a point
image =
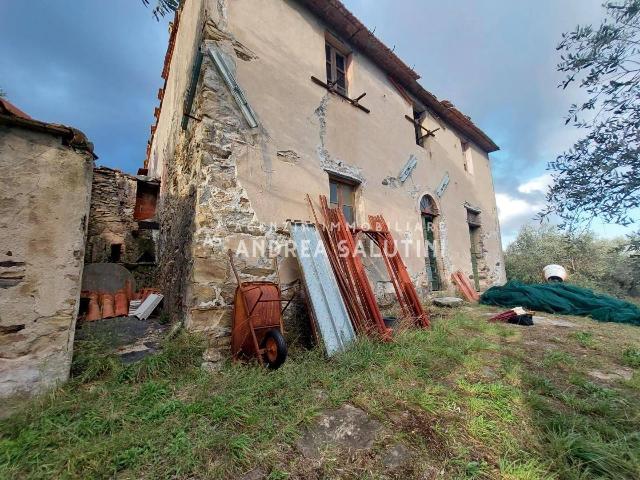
(8, 108)
(347, 26)
(165, 76)
(71, 137)
(451, 115)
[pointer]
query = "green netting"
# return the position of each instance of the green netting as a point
(562, 298)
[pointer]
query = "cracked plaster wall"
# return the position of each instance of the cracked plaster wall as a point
(45, 190)
(242, 180)
(328, 135)
(205, 210)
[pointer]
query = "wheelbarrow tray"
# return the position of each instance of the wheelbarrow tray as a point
(256, 310)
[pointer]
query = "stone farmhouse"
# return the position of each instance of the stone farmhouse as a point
(266, 105)
(258, 110)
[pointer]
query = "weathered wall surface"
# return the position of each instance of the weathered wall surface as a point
(204, 210)
(111, 222)
(44, 205)
(170, 160)
(224, 182)
(323, 133)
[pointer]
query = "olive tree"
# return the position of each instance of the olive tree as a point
(163, 7)
(600, 175)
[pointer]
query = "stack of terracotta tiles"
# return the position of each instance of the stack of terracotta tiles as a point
(109, 305)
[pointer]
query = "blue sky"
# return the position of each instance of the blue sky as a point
(96, 65)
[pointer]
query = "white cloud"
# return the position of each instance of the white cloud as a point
(513, 213)
(536, 184)
(511, 208)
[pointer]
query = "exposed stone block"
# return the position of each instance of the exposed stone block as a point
(210, 270)
(213, 319)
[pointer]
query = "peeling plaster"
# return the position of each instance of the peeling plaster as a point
(288, 156)
(444, 250)
(390, 182)
(327, 162)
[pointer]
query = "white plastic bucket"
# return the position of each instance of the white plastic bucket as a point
(556, 271)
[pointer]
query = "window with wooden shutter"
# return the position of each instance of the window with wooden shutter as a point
(336, 68)
(342, 195)
(418, 117)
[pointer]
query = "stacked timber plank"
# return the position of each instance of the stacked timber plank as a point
(356, 294)
(464, 286)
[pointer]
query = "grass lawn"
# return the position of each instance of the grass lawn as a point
(469, 399)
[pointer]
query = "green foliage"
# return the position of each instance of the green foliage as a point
(600, 175)
(90, 362)
(462, 397)
(631, 357)
(163, 7)
(578, 454)
(585, 339)
(594, 263)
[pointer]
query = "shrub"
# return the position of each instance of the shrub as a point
(591, 262)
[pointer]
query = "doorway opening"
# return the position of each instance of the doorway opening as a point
(428, 213)
(475, 239)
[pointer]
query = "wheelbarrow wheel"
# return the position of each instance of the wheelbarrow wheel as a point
(275, 349)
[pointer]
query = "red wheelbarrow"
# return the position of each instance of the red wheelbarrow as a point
(257, 328)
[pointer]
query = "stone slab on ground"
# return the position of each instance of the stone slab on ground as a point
(617, 374)
(448, 301)
(554, 322)
(128, 337)
(396, 456)
(347, 427)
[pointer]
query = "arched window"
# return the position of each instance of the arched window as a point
(428, 206)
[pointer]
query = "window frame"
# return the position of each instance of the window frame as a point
(418, 118)
(332, 50)
(342, 184)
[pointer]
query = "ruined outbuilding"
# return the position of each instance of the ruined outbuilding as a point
(122, 223)
(45, 188)
(258, 110)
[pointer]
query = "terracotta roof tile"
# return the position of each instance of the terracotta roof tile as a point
(12, 115)
(8, 108)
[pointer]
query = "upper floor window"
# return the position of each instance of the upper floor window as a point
(336, 68)
(418, 117)
(342, 195)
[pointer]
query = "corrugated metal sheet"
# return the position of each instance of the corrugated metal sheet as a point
(147, 307)
(332, 320)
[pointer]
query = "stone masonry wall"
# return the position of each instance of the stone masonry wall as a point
(205, 211)
(111, 221)
(44, 204)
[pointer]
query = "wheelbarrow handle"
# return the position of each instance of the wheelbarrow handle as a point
(233, 267)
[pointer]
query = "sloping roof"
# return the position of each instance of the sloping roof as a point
(12, 115)
(9, 108)
(173, 32)
(349, 28)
